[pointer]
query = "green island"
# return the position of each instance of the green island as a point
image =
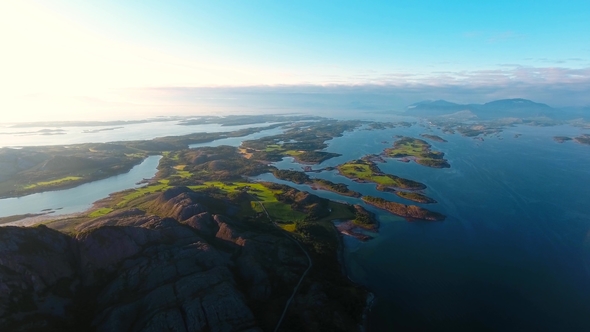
(582, 139)
(416, 197)
(303, 142)
(434, 138)
(387, 125)
(419, 150)
(364, 170)
(408, 211)
(321, 184)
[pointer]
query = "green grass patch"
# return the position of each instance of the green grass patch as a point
(363, 171)
(293, 153)
(52, 182)
(273, 147)
(339, 211)
(100, 212)
(140, 192)
(282, 212)
(288, 227)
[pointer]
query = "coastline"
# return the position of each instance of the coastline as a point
(370, 296)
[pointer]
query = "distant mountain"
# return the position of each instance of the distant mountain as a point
(437, 107)
(518, 108)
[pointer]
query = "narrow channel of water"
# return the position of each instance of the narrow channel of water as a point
(79, 198)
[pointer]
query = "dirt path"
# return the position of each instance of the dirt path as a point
(310, 264)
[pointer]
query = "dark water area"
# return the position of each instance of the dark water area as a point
(514, 252)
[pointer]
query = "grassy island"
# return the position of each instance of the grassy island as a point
(419, 150)
(302, 142)
(402, 210)
(367, 171)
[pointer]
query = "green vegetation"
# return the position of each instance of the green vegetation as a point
(418, 149)
(52, 183)
(293, 176)
(338, 188)
(366, 170)
(407, 211)
(416, 197)
(302, 178)
(100, 212)
(130, 195)
(302, 142)
(35, 169)
(364, 218)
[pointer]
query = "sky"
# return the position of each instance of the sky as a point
(65, 59)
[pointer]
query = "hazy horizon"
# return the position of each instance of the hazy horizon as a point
(103, 60)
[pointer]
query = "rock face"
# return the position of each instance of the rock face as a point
(134, 272)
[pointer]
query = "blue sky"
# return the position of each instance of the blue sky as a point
(62, 49)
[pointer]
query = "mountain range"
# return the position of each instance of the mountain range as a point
(503, 108)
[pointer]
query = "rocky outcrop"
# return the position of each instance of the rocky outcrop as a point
(130, 271)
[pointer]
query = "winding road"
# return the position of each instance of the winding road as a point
(310, 264)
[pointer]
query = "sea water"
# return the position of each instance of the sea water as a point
(514, 251)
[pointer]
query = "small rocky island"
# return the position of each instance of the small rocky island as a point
(416, 197)
(561, 139)
(434, 138)
(412, 212)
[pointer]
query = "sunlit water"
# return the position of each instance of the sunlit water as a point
(10, 137)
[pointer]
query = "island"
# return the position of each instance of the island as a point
(434, 138)
(411, 212)
(583, 139)
(364, 170)
(416, 197)
(561, 139)
(303, 142)
(317, 184)
(417, 150)
(362, 222)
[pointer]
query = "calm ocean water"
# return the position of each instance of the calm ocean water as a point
(514, 252)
